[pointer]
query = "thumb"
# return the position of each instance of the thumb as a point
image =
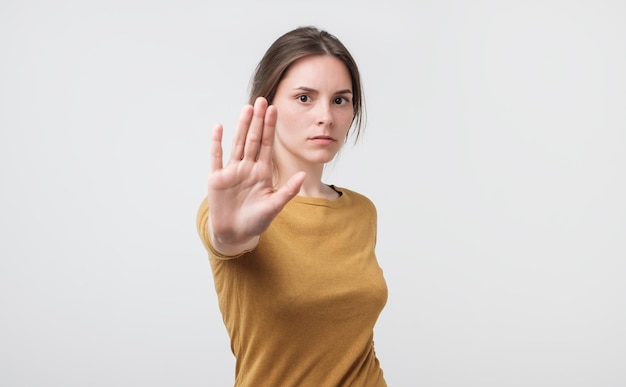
(290, 189)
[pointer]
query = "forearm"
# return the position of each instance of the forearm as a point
(228, 247)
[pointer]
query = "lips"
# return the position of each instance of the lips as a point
(323, 137)
(322, 140)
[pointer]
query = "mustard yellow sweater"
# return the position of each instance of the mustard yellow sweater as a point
(300, 308)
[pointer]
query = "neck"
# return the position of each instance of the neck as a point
(312, 186)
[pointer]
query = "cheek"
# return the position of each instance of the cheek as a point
(346, 119)
(283, 124)
(286, 114)
(295, 121)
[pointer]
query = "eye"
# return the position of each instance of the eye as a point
(340, 100)
(304, 98)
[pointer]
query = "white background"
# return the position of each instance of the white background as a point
(494, 152)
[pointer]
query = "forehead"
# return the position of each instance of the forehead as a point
(318, 71)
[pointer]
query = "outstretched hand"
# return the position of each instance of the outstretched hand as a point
(242, 199)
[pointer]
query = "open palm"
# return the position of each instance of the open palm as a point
(242, 199)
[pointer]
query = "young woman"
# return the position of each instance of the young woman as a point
(293, 259)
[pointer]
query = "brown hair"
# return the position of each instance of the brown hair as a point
(297, 44)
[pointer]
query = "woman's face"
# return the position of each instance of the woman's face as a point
(314, 106)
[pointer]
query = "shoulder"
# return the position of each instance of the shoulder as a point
(356, 198)
(354, 195)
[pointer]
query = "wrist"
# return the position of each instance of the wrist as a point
(230, 246)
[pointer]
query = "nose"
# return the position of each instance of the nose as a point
(325, 116)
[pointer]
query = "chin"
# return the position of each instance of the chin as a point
(322, 159)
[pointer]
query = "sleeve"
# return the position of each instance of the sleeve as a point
(202, 226)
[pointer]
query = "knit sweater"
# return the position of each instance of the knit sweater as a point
(300, 308)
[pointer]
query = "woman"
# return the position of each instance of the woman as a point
(297, 279)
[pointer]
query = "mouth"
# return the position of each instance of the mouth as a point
(323, 138)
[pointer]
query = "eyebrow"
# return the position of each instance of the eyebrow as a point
(310, 90)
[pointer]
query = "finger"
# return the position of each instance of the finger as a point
(267, 141)
(216, 148)
(255, 131)
(287, 192)
(239, 140)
